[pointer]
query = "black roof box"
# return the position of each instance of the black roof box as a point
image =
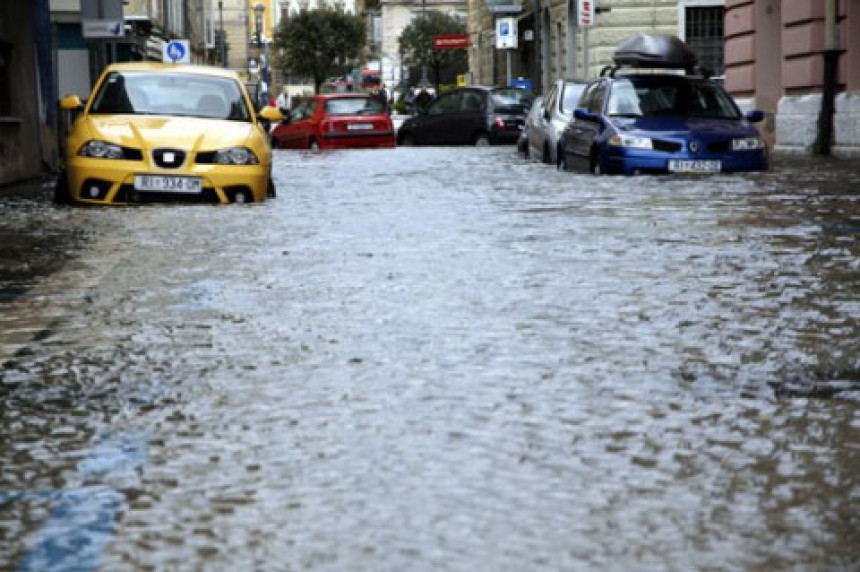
(654, 51)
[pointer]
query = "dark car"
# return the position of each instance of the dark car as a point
(469, 116)
(632, 123)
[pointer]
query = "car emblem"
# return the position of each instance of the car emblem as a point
(694, 146)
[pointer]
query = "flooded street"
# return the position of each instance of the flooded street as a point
(437, 359)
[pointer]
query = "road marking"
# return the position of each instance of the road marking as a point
(83, 520)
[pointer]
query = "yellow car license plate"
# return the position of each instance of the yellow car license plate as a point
(167, 184)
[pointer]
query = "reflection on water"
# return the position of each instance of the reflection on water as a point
(438, 359)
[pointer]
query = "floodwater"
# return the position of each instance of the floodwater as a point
(437, 359)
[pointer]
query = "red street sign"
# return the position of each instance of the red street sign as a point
(451, 42)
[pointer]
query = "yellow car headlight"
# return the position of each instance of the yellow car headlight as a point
(101, 150)
(236, 156)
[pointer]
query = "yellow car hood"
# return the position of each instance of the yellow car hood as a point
(190, 133)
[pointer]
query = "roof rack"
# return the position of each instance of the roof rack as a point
(656, 51)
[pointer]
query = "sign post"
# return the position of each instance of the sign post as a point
(506, 39)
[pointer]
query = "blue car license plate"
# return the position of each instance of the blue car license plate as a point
(694, 166)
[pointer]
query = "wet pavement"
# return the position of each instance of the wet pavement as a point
(437, 359)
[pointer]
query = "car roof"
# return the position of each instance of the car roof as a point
(342, 95)
(174, 68)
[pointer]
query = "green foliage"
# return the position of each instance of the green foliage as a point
(416, 45)
(319, 43)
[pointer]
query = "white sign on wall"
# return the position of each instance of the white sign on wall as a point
(585, 13)
(506, 33)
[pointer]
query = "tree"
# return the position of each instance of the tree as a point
(319, 43)
(416, 45)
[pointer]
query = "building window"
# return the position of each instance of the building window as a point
(703, 32)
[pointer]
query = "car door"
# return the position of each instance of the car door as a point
(472, 117)
(584, 131)
(543, 124)
(295, 133)
(440, 124)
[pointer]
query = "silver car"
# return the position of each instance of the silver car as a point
(557, 111)
(531, 123)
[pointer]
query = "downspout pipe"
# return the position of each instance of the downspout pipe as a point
(824, 140)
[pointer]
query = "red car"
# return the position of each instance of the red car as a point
(335, 121)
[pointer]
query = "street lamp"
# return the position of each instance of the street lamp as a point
(424, 82)
(223, 41)
(259, 10)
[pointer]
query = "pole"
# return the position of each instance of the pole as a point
(508, 66)
(824, 139)
(223, 40)
(424, 81)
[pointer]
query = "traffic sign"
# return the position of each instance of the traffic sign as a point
(506, 33)
(585, 13)
(177, 52)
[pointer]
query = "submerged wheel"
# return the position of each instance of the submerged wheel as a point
(62, 193)
(407, 140)
(313, 145)
(482, 140)
(560, 160)
(271, 192)
(595, 167)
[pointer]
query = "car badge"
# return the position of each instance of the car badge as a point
(694, 146)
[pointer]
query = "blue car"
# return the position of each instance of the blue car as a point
(651, 123)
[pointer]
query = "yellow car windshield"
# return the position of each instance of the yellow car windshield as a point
(177, 94)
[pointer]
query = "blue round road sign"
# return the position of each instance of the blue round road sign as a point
(176, 51)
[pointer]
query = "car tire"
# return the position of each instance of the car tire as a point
(62, 193)
(271, 191)
(313, 145)
(560, 160)
(482, 140)
(595, 167)
(406, 140)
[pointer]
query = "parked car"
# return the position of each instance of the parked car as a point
(558, 106)
(632, 123)
(335, 121)
(154, 132)
(469, 116)
(532, 121)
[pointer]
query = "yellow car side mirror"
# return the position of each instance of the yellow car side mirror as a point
(271, 113)
(71, 102)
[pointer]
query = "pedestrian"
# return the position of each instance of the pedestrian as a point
(423, 99)
(284, 99)
(382, 97)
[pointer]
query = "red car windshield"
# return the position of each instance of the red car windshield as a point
(353, 106)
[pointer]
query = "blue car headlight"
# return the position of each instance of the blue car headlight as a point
(747, 144)
(630, 142)
(100, 150)
(236, 156)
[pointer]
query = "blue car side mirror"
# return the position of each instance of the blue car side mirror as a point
(581, 113)
(755, 116)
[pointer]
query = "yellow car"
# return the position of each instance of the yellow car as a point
(155, 132)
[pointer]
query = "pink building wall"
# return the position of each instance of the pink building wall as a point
(774, 51)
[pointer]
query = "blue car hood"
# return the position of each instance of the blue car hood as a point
(685, 126)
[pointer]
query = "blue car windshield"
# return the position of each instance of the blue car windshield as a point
(661, 96)
(171, 93)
